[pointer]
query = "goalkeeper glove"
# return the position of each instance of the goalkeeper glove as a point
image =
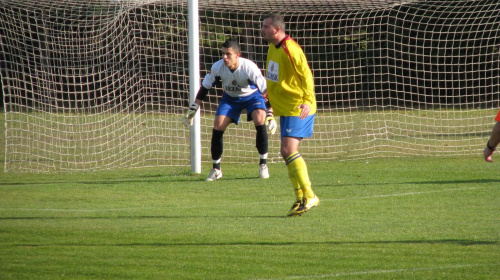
(271, 122)
(187, 119)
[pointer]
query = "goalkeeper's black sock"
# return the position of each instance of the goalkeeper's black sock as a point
(217, 146)
(261, 141)
(216, 165)
(263, 160)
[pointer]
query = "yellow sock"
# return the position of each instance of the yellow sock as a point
(298, 169)
(295, 185)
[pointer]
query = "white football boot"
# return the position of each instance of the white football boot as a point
(214, 174)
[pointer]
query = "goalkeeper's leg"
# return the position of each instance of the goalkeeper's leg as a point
(221, 122)
(217, 146)
(262, 147)
(261, 141)
(216, 149)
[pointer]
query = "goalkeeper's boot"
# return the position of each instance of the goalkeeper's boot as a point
(308, 204)
(263, 171)
(214, 174)
(293, 211)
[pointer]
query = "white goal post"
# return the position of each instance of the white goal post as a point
(102, 84)
(194, 82)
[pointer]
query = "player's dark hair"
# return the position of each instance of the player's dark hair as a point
(232, 43)
(277, 20)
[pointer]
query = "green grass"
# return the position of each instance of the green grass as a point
(399, 218)
(61, 142)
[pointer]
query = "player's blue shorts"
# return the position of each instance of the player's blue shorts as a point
(295, 127)
(233, 106)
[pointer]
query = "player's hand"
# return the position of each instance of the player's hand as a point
(305, 109)
(488, 152)
(271, 122)
(265, 96)
(187, 119)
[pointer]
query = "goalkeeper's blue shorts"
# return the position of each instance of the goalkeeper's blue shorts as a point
(295, 127)
(233, 106)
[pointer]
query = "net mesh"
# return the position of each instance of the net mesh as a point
(102, 84)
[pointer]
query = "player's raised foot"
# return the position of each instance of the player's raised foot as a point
(308, 204)
(263, 171)
(293, 211)
(214, 174)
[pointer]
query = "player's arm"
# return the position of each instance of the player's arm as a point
(492, 143)
(308, 84)
(305, 75)
(187, 119)
(308, 90)
(208, 82)
(255, 75)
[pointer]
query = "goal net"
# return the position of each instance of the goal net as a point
(102, 84)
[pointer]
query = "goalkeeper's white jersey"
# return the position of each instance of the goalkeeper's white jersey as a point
(243, 81)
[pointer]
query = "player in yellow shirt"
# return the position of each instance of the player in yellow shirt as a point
(290, 92)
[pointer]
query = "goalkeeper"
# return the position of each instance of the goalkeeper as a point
(243, 88)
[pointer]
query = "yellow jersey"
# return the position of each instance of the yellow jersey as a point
(289, 79)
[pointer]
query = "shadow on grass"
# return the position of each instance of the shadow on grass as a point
(461, 242)
(493, 182)
(100, 182)
(142, 179)
(139, 217)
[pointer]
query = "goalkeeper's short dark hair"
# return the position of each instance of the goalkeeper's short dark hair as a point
(232, 43)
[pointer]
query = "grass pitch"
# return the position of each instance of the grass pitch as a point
(398, 218)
